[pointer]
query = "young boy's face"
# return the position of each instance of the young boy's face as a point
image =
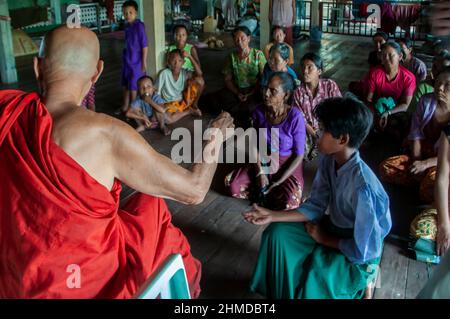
(130, 14)
(180, 36)
(146, 88)
(278, 36)
(327, 144)
(310, 71)
(175, 62)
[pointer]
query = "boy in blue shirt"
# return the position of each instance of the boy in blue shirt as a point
(331, 245)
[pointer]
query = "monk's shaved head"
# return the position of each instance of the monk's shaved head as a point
(70, 52)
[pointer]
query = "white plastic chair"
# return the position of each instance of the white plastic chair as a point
(168, 282)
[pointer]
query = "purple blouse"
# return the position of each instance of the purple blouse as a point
(423, 114)
(291, 131)
(418, 68)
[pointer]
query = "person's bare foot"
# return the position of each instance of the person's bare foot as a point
(165, 130)
(368, 293)
(140, 128)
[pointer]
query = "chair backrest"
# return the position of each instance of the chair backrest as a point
(168, 281)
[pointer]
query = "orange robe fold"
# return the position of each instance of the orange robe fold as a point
(54, 215)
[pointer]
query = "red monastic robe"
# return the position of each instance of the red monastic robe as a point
(53, 215)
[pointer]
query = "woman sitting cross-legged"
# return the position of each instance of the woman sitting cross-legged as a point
(242, 75)
(312, 91)
(395, 83)
(431, 116)
(279, 188)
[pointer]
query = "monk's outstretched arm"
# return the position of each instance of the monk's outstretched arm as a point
(139, 166)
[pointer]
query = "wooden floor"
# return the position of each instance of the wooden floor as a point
(225, 244)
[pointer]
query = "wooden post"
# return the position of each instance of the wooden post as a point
(56, 11)
(8, 71)
(155, 28)
(264, 25)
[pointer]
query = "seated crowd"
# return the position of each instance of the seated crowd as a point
(325, 245)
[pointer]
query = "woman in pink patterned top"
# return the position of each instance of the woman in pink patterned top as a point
(311, 93)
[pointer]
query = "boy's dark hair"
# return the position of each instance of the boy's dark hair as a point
(341, 116)
(174, 52)
(142, 78)
(241, 29)
(130, 3)
(382, 34)
(180, 26)
(315, 58)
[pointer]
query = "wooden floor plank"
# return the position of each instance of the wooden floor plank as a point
(393, 274)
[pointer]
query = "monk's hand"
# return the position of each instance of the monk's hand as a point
(259, 215)
(443, 239)
(315, 231)
(418, 167)
(225, 124)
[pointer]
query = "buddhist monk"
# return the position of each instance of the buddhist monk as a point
(62, 232)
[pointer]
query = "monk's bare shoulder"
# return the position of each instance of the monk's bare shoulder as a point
(91, 139)
(80, 125)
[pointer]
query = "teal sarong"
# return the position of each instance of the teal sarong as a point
(292, 265)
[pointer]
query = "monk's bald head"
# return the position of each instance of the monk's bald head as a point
(70, 52)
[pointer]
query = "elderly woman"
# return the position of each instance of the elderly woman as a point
(431, 117)
(278, 62)
(396, 84)
(242, 72)
(278, 189)
(312, 91)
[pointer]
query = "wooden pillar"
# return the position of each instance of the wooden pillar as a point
(264, 25)
(315, 13)
(155, 28)
(8, 71)
(56, 11)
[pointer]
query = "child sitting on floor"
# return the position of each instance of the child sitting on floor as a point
(309, 253)
(148, 109)
(179, 87)
(180, 34)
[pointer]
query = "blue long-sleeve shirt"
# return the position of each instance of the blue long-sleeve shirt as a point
(354, 198)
